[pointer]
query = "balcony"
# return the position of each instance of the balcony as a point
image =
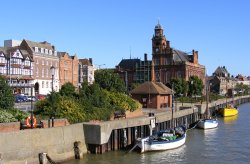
(23, 85)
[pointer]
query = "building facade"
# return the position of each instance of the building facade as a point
(221, 82)
(68, 69)
(170, 63)
(44, 56)
(135, 71)
(86, 71)
(16, 66)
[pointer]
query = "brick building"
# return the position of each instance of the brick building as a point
(68, 69)
(44, 56)
(153, 95)
(134, 71)
(171, 63)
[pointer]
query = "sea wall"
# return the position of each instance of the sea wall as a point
(25, 145)
(15, 126)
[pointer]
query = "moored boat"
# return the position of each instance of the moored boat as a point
(163, 140)
(208, 123)
(229, 111)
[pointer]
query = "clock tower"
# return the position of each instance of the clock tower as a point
(159, 42)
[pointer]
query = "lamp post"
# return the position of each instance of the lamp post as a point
(52, 69)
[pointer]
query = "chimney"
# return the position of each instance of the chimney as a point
(145, 57)
(195, 57)
(90, 60)
(153, 71)
(168, 44)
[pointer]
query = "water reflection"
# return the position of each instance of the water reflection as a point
(170, 156)
(230, 120)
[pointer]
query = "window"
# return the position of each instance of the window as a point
(46, 51)
(37, 62)
(157, 61)
(42, 62)
(47, 84)
(37, 72)
(47, 62)
(42, 84)
(50, 52)
(36, 49)
(47, 72)
(43, 72)
(42, 50)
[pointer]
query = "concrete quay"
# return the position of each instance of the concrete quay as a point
(97, 137)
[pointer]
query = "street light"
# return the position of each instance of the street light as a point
(52, 69)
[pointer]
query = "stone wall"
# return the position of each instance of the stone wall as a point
(25, 145)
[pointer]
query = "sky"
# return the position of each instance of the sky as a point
(111, 30)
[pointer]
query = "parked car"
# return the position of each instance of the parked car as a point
(21, 98)
(40, 97)
(31, 98)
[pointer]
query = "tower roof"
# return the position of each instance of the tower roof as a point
(158, 26)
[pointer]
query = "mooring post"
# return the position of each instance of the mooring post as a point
(1, 162)
(42, 158)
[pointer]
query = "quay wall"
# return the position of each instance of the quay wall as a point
(95, 137)
(25, 145)
(15, 126)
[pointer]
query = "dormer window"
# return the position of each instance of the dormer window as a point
(55, 53)
(36, 49)
(50, 52)
(42, 50)
(46, 51)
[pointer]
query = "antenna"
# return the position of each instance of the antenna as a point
(130, 51)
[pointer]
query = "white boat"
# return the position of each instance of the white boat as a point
(208, 123)
(163, 140)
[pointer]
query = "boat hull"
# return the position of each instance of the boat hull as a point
(146, 145)
(226, 112)
(207, 124)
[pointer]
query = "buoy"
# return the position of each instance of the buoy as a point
(28, 121)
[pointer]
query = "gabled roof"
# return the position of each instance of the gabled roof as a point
(10, 50)
(85, 62)
(44, 45)
(181, 56)
(221, 70)
(128, 64)
(152, 88)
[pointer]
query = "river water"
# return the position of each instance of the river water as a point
(229, 143)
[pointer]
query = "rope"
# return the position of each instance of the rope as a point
(50, 160)
(194, 126)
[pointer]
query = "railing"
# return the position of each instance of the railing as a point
(20, 85)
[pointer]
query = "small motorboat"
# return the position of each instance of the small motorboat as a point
(163, 140)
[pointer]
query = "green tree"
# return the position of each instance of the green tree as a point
(195, 86)
(180, 86)
(6, 97)
(67, 89)
(109, 80)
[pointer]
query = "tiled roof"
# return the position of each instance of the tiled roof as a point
(128, 64)
(180, 56)
(44, 44)
(152, 88)
(85, 62)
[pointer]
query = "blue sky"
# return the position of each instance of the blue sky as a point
(111, 30)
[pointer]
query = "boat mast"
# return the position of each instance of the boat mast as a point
(172, 120)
